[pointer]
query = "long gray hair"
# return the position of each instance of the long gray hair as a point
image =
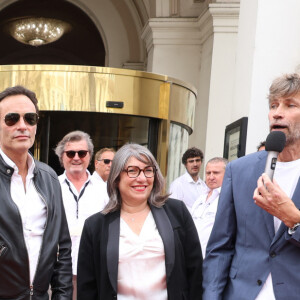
(141, 153)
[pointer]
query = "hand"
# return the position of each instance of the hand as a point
(269, 196)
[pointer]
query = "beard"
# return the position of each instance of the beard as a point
(292, 134)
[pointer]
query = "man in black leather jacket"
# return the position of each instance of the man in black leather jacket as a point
(35, 245)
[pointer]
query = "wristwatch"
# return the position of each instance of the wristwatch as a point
(293, 229)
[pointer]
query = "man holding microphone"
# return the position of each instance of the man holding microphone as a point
(254, 247)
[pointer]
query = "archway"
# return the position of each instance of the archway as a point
(82, 45)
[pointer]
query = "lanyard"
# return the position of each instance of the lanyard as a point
(75, 197)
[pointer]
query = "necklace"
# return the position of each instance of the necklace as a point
(134, 216)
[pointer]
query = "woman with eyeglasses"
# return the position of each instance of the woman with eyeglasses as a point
(142, 245)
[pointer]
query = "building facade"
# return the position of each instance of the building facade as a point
(227, 51)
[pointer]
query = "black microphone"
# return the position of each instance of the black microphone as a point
(275, 143)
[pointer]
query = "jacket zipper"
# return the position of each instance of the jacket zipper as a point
(38, 261)
(31, 292)
(23, 239)
(2, 248)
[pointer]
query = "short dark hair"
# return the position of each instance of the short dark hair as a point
(20, 90)
(261, 144)
(190, 153)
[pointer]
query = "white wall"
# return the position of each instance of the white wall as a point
(269, 45)
(173, 47)
(231, 71)
(120, 27)
(219, 27)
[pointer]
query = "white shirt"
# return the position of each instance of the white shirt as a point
(286, 174)
(186, 189)
(142, 270)
(91, 201)
(32, 209)
(99, 179)
(204, 214)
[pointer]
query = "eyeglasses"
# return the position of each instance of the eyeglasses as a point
(72, 153)
(13, 118)
(106, 160)
(194, 160)
(133, 171)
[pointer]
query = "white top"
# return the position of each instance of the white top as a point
(186, 189)
(204, 214)
(99, 179)
(286, 174)
(91, 201)
(32, 209)
(142, 270)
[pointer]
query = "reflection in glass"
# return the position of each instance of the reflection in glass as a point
(178, 144)
(106, 130)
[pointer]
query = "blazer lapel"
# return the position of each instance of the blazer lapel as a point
(165, 230)
(269, 221)
(113, 248)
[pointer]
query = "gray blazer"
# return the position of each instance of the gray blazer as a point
(243, 248)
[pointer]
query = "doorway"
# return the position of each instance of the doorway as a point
(106, 130)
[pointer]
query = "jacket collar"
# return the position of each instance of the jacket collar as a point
(165, 230)
(113, 248)
(269, 221)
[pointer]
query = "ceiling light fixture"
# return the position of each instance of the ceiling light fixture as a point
(37, 31)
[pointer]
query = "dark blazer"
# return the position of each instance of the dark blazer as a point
(243, 247)
(99, 254)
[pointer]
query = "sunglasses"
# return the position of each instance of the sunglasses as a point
(81, 153)
(13, 118)
(106, 160)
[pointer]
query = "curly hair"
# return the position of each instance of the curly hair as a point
(191, 153)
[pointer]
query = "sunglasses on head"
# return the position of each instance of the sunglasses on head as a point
(106, 160)
(13, 118)
(81, 153)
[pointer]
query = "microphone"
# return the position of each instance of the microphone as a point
(275, 143)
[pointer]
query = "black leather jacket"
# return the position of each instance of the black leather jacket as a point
(54, 264)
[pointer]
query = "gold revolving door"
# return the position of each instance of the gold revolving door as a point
(114, 106)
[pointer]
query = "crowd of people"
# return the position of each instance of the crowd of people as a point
(117, 233)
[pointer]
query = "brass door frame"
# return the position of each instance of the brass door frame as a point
(87, 89)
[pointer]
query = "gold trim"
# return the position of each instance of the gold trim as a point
(84, 88)
(88, 88)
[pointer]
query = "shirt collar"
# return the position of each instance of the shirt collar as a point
(65, 178)
(97, 176)
(190, 179)
(215, 191)
(218, 189)
(30, 163)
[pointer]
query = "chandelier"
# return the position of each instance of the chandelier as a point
(36, 31)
